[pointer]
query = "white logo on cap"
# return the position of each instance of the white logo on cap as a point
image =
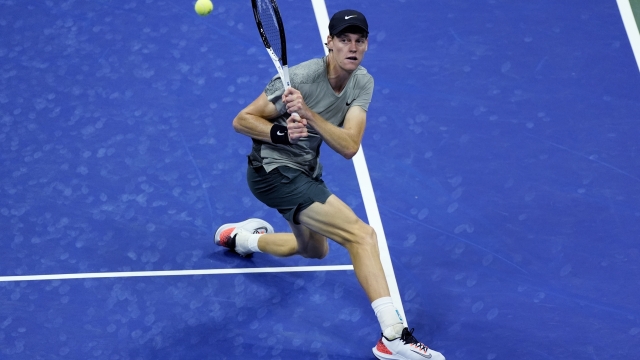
(349, 17)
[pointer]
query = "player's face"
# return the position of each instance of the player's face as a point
(348, 50)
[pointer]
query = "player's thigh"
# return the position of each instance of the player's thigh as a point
(335, 220)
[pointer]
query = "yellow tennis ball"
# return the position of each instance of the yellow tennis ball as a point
(204, 7)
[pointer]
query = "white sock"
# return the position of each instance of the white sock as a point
(253, 242)
(390, 321)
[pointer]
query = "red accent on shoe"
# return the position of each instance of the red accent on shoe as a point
(225, 236)
(381, 347)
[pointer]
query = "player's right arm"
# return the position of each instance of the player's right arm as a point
(256, 121)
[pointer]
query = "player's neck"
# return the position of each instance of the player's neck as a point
(337, 76)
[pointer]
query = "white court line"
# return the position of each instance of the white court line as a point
(632, 28)
(174, 273)
(366, 188)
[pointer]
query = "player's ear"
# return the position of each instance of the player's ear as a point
(329, 43)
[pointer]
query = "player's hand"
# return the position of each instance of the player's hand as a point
(297, 128)
(294, 102)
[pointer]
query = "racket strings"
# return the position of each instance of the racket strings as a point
(270, 26)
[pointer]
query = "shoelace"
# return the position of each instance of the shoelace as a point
(260, 230)
(408, 338)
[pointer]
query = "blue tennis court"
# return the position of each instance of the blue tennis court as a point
(501, 144)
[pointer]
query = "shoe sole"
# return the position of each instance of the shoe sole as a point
(383, 356)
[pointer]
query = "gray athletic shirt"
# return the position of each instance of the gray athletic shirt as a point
(310, 78)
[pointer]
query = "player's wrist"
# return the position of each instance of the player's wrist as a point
(279, 134)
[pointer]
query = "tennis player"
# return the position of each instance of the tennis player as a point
(328, 102)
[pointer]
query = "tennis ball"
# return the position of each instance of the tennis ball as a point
(204, 7)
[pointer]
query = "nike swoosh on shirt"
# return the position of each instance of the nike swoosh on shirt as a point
(349, 103)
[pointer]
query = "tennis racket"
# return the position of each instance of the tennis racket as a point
(271, 31)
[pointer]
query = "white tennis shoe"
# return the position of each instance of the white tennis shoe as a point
(235, 236)
(406, 347)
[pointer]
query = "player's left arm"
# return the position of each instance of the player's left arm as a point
(344, 140)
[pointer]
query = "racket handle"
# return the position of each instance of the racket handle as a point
(285, 81)
(285, 77)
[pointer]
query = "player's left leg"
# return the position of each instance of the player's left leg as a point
(338, 221)
(290, 191)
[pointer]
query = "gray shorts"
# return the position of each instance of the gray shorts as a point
(286, 189)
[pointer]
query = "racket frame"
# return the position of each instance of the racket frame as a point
(279, 62)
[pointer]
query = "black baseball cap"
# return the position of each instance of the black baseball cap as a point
(345, 18)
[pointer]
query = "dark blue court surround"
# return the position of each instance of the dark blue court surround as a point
(502, 143)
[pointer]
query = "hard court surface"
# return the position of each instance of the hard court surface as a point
(502, 145)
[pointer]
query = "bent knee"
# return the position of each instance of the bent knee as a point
(365, 235)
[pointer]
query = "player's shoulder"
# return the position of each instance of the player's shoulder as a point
(310, 65)
(362, 71)
(308, 72)
(362, 76)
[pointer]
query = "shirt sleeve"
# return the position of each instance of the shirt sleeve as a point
(365, 84)
(274, 91)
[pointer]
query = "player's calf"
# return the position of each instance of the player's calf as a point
(313, 249)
